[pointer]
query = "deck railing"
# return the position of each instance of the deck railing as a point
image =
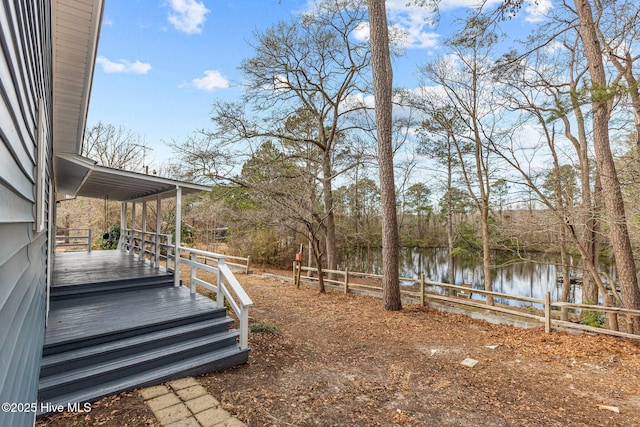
(420, 290)
(154, 249)
(79, 238)
(226, 289)
(148, 246)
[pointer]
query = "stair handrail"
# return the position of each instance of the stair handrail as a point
(224, 274)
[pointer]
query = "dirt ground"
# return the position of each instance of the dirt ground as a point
(341, 360)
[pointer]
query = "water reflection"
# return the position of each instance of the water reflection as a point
(530, 277)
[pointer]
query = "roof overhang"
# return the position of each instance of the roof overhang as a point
(76, 30)
(83, 177)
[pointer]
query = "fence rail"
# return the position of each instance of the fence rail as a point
(79, 238)
(240, 264)
(421, 290)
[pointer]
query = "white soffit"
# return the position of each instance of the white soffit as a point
(76, 28)
(83, 177)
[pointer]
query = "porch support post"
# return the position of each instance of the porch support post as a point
(143, 239)
(132, 245)
(158, 225)
(123, 224)
(176, 263)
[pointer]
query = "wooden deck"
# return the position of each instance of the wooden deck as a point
(116, 323)
(76, 268)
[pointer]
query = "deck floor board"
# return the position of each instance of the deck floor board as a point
(76, 268)
(91, 315)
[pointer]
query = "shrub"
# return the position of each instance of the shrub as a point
(110, 239)
(593, 318)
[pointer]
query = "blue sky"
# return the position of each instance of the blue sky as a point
(162, 63)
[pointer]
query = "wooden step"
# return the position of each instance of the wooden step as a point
(93, 320)
(81, 357)
(157, 359)
(196, 365)
(63, 292)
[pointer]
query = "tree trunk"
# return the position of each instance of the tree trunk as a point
(382, 86)
(486, 250)
(566, 277)
(327, 192)
(452, 272)
(612, 193)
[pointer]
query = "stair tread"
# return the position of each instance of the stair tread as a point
(86, 352)
(59, 292)
(146, 378)
(81, 319)
(126, 361)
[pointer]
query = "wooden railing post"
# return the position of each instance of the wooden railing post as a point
(422, 289)
(192, 273)
(244, 327)
(248, 260)
(346, 280)
(220, 293)
(143, 233)
(89, 241)
(132, 245)
(547, 312)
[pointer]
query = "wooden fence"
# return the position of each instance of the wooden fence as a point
(420, 291)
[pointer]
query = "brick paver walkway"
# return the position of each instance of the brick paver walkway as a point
(185, 403)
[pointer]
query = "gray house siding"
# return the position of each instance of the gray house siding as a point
(25, 86)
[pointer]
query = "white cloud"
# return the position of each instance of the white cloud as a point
(414, 23)
(538, 10)
(454, 4)
(123, 66)
(212, 80)
(187, 15)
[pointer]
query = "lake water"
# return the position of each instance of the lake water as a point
(530, 277)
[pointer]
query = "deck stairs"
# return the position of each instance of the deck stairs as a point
(145, 337)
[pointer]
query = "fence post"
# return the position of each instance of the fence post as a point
(630, 324)
(612, 318)
(89, 242)
(547, 312)
(192, 275)
(422, 289)
(248, 260)
(346, 280)
(299, 272)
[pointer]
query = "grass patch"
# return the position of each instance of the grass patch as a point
(264, 327)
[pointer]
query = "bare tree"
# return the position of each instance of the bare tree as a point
(466, 82)
(116, 147)
(312, 68)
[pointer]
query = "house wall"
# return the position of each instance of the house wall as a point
(25, 84)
